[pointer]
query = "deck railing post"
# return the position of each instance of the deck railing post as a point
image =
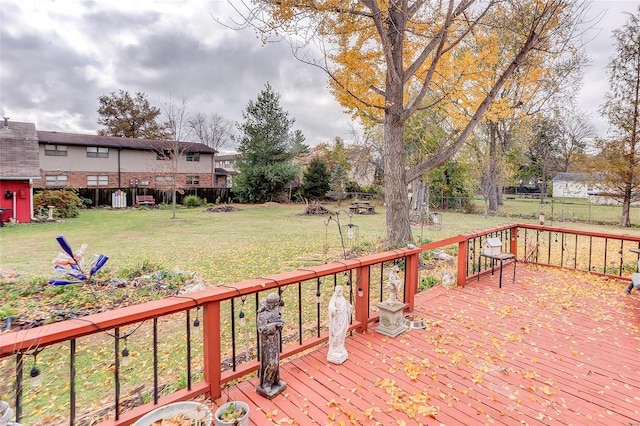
(462, 262)
(411, 279)
(362, 301)
(513, 247)
(211, 348)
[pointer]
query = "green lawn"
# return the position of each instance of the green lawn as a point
(253, 241)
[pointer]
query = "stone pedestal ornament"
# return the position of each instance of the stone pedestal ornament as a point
(391, 310)
(394, 285)
(339, 317)
(270, 323)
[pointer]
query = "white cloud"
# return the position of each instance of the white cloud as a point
(58, 57)
(603, 18)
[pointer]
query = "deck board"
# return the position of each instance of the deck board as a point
(553, 347)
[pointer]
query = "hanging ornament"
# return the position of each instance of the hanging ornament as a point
(243, 319)
(35, 377)
(196, 322)
(126, 359)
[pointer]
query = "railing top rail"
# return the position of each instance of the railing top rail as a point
(13, 342)
(466, 236)
(481, 232)
(584, 232)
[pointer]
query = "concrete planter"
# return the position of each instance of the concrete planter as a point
(242, 421)
(188, 409)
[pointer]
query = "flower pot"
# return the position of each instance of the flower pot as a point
(187, 409)
(241, 420)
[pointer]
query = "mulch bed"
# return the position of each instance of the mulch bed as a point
(222, 209)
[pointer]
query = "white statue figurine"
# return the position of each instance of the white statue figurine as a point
(395, 283)
(339, 317)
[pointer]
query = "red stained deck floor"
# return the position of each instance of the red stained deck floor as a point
(555, 347)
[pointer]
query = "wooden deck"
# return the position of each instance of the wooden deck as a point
(555, 347)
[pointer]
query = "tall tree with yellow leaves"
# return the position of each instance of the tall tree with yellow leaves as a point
(387, 59)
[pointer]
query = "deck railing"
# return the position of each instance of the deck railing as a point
(208, 339)
(218, 346)
(614, 255)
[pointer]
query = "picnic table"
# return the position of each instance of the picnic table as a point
(362, 207)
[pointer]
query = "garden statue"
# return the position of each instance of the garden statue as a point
(395, 284)
(391, 319)
(339, 318)
(270, 325)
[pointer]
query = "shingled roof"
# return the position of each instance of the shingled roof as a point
(18, 151)
(62, 138)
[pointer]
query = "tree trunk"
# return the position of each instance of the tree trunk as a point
(395, 185)
(493, 168)
(625, 218)
(173, 201)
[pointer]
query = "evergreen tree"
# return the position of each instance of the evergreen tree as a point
(298, 147)
(264, 166)
(316, 180)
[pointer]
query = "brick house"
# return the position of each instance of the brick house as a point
(92, 161)
(225, 170)
(98, 165)
(19, 168)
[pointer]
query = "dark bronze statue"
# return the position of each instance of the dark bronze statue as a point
(270, 325)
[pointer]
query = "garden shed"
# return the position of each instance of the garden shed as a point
(19, 165)
(571, 185)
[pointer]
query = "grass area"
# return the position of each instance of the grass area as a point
(221, 247)
(562, 210)
(229, 247)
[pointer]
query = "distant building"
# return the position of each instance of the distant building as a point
(571, 185)
(86, 161)
(32, 159)
(225, 169)
(582, 185)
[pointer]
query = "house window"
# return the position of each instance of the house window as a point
(193, 180)
(100, 180)
(55, 150)
(97, 152)
(164, 155)
(164, 180)
(193, 156)
(227, 164)
(55, 180)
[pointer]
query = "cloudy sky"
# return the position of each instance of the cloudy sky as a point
(58, 56)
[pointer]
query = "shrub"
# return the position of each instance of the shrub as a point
(67, 203)
(87, 202)
(192, 201)
(427, 283)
